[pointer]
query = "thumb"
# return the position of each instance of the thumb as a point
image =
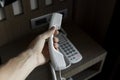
(48, 33)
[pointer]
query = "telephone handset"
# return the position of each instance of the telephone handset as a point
(57, 58)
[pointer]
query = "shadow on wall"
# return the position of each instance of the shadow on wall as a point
(4, 3)
(0, 60)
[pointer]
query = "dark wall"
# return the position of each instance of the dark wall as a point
(111, 68)
(7, 2)
(112, 63)
(101, 20)
(0, 60)
(94, 16)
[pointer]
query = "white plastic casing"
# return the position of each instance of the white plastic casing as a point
(57, 58)
(56, 20)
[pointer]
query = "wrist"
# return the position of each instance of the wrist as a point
(30, 56)
(38, 57)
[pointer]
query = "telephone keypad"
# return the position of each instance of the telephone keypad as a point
(68, 49)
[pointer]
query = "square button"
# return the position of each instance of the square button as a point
(33, 4)
(48, 2)
(17, 7)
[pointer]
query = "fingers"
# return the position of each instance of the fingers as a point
(56, 40)
(56, 32)
(56, 45)
(48, 33)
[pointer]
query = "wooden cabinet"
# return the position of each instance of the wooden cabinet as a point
(91, 64)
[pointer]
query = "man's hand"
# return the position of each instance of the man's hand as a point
(19, 67)
(39, 46)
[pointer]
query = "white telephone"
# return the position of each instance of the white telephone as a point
(67, 55)
(57, 58)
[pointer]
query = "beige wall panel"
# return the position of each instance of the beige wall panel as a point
(19, 25)
(3, 36)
